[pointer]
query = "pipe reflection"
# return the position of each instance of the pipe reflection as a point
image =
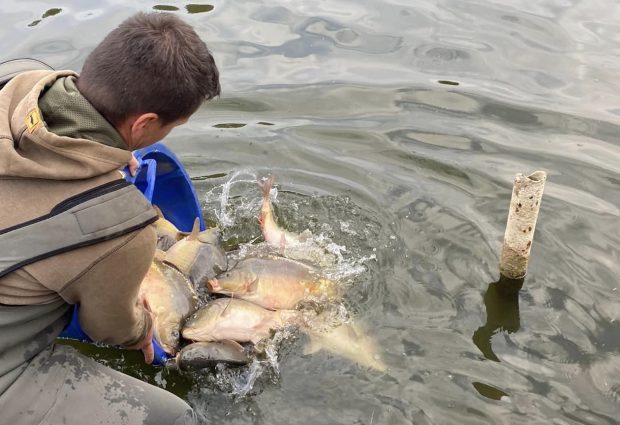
(501, 301)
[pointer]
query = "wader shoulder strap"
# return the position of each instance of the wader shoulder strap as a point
(104, 212)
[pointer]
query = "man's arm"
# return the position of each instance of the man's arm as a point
(108, 293)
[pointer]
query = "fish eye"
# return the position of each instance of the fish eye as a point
(175, 334)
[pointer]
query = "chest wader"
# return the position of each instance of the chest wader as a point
(104, 212)
(43, 383)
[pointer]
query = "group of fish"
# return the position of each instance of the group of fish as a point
(246, 303)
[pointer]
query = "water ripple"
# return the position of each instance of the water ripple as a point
(344, 102)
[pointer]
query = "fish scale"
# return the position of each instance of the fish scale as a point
(274, 282)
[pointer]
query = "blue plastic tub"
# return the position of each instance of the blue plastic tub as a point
(165, 183)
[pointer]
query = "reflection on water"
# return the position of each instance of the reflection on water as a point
(395, 130)
(502, 308)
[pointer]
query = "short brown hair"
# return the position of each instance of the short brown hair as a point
(152, 62)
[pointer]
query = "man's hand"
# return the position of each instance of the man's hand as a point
(133, 166)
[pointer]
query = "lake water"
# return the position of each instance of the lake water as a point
(394, 129)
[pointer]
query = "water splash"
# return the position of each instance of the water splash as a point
(334, 246)
(221, 195)
(347, 270)
(241, 382)
(245, 381)
(236, 202)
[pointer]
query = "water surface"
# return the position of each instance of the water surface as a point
(346, 103)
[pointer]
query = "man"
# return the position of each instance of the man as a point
(71, 231)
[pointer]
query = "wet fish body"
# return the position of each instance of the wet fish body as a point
(172, 299)
(237, 320)
(272, 233)
(199, 256)
(200, 355)
(274, 282)
(349, 341)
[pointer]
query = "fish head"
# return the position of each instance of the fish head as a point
(200, 326)
(206, 354)
(212, 236)
(235, 281)
(200, 256)
(168, 335)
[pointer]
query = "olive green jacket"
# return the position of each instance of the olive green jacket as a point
(53, 145)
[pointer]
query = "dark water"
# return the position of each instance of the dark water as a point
(395, 129)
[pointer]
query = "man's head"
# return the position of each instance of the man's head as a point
(149, 75)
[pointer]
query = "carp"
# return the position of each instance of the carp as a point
(291, 245)
(347, 340)
(167, 233)
(274, 282)
(272, 233)
(199, 256)
(171, 299)
(237, 320)
(200, 355)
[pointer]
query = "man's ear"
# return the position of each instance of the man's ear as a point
(132, 129)
(137, 128)
(143, 121)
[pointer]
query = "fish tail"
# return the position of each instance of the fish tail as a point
(265, 186)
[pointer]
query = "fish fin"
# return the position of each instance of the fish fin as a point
(265, 186)
(213, 285)
(159, 213)
(195, 230)
(251, 286)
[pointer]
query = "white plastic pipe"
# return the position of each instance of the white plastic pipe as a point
(524, 206)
